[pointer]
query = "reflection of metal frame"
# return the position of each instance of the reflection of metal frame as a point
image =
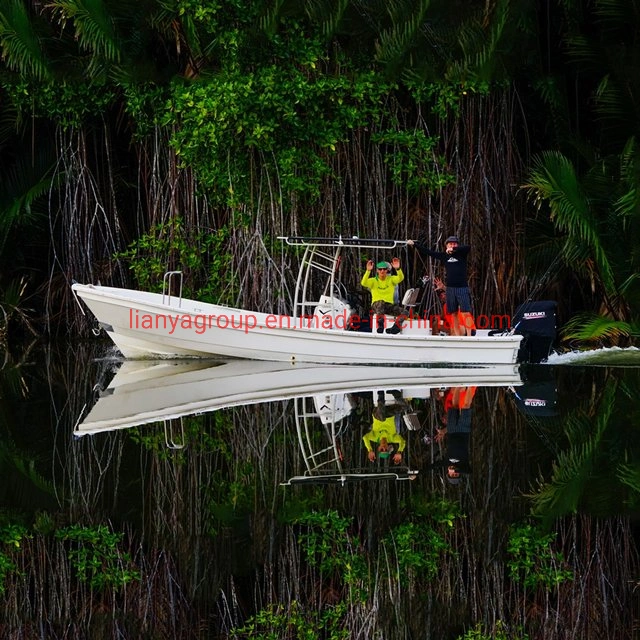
(330, 414)
(351, 477)
(305, 428)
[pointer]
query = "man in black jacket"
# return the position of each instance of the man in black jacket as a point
(454, 259)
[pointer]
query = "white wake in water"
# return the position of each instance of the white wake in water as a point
(611, 356)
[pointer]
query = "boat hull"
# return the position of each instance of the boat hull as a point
(143, 324)
(148, 391)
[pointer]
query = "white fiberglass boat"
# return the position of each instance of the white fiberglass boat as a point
(321, 330)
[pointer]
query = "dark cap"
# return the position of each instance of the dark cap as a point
(452, 239)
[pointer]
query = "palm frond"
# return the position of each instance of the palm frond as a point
(630, 476)
(13, 306)
(20, 42)
(590, 327)
(481, 45)
(23, 186)
(627, 284)
(553, 181)
(573, 468)
(270, 19)
(93, 25)
(398, 40)
(628, 204)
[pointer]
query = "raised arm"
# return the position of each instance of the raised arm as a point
(425, 251)
(367, 275)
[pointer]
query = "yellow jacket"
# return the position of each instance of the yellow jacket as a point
(384, 429)
(382, 289)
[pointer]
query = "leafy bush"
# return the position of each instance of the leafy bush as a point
(199, 254)
(97, 558)
(532, 560)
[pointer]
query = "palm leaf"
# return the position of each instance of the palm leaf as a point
(182, 29)
(20, 42)
(590, 327)
(553, 181)
(629, 476)
(93, 24)
(398, 41)
(627, 204)
(480, 41)
(23, 186)
(329, 14)
(573, 468)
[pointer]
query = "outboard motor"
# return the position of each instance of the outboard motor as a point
(536, 321)
(537, 396)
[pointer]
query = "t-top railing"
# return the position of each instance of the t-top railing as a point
(323, 255)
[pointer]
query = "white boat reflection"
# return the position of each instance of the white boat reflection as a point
(143, 391)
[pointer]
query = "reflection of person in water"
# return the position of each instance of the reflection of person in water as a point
(384, 437)
(457, 431)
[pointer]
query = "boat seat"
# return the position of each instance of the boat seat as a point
(410, 298)
(411, 421)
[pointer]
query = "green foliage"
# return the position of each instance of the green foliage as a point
(199, 254)
(144, 102)
(94, 26)
(501, 632)
(421, 542)
(588, 327)
(6, 567)
(444, 98)
(44, 523)
(328, 546)
(97, 558)
(295, 623)
(11, 536)
(68, 104)
(553, 181)
(22, 50)
(532, 561)
(582, 472)
(188, 432)
(230, 497)
(413, 161)
(285, 117)
(155, 440)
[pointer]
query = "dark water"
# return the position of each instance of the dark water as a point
(232, 509)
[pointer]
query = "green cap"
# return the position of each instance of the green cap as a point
(382, 265)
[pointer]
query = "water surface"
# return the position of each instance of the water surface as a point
(268, 516)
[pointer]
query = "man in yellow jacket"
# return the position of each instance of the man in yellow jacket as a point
(383, 287)
(383, 435)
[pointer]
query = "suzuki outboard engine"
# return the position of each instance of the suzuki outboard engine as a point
(537, 397)
(536, 321)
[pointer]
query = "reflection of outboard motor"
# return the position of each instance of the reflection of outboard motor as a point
(537, 397)
(536, 321)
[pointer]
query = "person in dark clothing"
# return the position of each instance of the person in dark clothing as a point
(457, 403)
(454, 259)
